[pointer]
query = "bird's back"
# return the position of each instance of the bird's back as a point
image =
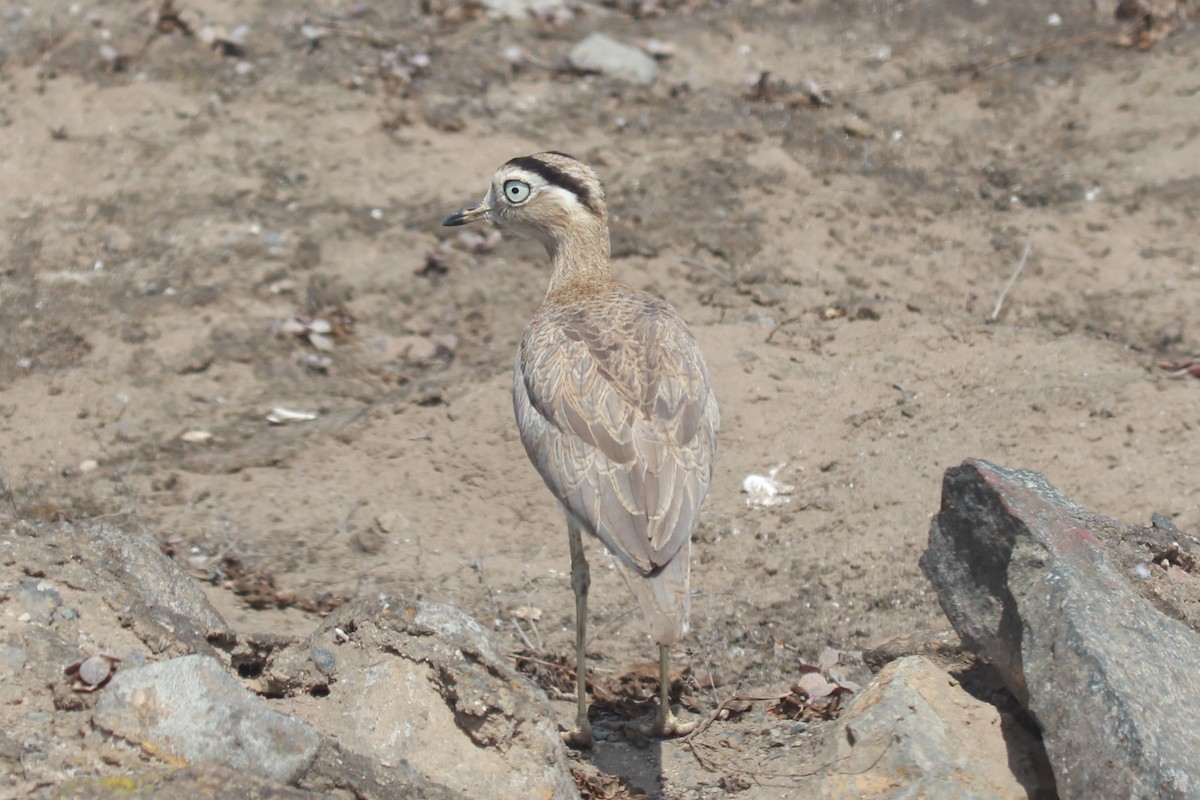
(616, 411)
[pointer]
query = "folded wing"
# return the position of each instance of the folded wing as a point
(616, 411)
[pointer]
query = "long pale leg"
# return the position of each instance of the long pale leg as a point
(666, 724)
(581, 734)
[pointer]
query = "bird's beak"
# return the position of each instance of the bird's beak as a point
(468, 214)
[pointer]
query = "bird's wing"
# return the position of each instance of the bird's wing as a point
(617, 413)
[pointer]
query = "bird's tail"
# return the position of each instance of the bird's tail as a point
(664, 597)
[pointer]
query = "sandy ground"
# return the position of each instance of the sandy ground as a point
(177, 218)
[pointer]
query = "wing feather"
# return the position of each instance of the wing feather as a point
(617, 413)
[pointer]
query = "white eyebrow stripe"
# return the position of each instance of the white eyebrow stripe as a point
(566, 194)
(525, 176)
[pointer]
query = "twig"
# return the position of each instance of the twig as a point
(521, 633)
(541, 662)
(715, 714)
(695, 262)
(12, 496)
(1016, 273)
(540, 63)
(781, 325)
(339, 28)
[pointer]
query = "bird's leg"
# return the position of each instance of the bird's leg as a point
(581, 734)
(665, 724)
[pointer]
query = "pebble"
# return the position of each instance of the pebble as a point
(324, 660)
(599, 53)
(12, 657)
(33, 601)
(95, 670)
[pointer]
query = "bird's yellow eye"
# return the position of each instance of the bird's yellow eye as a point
(516, 191)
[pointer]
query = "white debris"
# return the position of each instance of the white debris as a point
(320, 341)
(282, 416)
(197, 437)
(523, 9)
(763, 491)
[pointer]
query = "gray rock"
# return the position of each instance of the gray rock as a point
(914, 732)
(12, 659)
(420, 688)
(10, 752)
(163, 604)
(190, 708)
(32, 601)
(1022, 574)
(599, 53)
(342, 772)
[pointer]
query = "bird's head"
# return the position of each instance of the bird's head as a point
(548, 196)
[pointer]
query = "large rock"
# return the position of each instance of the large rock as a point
(914, 732)
(190, 709)
(1022, 573)
(420, 686)
(161, 602)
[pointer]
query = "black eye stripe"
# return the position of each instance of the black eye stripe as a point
(556, 177)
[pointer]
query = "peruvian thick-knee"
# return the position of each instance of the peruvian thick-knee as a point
(613, 401)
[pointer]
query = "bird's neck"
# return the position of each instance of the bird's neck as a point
(580, 254)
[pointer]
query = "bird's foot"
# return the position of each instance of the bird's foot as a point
(667, 726)
(580, 737)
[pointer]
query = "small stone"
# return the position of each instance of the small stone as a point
(445, 345)
(857, 127)
(33, 601)
(415, 349)
(599, 53)
(95, 670)
(320, 341)
(523, 9)
(391, 521)
(11, 658)
(324, 659)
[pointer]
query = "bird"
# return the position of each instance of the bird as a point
(614, 404)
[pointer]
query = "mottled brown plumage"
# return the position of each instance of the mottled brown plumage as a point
(613, 401)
